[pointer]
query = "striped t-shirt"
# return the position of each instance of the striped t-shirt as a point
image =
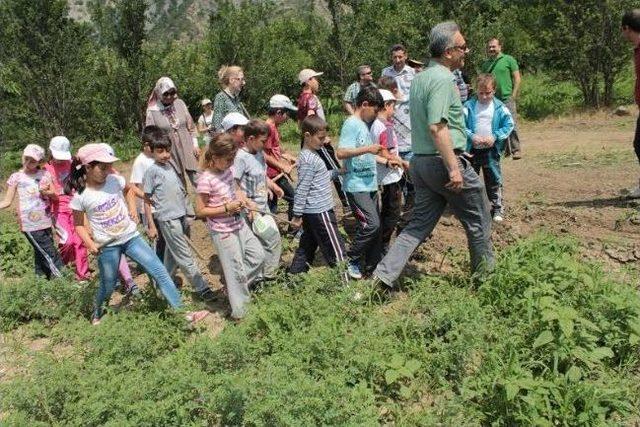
(313, 194)
(220, 189)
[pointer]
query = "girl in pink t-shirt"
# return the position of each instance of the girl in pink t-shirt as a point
(69, 243)
(239, 251)
(33, 211)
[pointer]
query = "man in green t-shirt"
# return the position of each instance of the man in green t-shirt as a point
(507, 74)
(440, 173)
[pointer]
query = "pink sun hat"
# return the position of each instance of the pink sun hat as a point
(102, 153)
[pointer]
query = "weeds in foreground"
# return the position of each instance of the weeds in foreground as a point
(546, 340)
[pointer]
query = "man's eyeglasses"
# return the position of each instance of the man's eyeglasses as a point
(463, 48)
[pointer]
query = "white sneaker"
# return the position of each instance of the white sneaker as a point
(635, 194)
(498, 218)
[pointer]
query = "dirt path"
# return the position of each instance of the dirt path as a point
(570, 182)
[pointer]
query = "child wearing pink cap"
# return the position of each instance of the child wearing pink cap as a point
(33, 211)
(110, 231)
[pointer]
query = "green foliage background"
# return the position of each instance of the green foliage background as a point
(89, 79)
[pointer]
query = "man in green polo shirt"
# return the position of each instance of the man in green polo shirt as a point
(507, 74)
(440, 173)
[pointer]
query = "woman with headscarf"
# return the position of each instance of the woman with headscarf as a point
(168, 112)
(227, 101)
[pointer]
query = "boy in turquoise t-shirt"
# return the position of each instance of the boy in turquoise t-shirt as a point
(360, 181)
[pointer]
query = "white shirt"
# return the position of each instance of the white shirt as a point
(140, 166)
(107, 212)
(484, 117)
(385, 175)
(402, 122)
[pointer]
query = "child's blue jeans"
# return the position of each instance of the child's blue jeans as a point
(139, 251)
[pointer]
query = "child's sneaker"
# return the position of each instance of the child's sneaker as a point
(207, 295)
(498, 217)
(95, 321)
(131, 289)
(353, 268)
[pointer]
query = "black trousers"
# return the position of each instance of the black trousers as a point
(47, 259)
(390, 210)
(289, 194)
(318, 230)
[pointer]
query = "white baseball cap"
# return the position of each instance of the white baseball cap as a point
(387, 95)
(60, 148)
(306, 74)
(233, 119)
(34, 151)
(283, 102)
(205, 102)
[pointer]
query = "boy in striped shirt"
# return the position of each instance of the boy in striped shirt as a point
(313, 202)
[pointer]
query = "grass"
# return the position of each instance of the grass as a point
(580, 158)
(547, 339)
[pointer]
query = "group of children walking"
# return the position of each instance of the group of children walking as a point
(92, 210)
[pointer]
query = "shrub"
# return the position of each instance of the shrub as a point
(16, 255)
(36, 298)
(547, 339)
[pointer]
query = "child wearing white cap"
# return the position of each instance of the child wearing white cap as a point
(69, 243)
(233, 124)
(33, 211)
(389, 173)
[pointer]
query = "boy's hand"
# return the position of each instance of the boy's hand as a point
(489, 141)
(477, 141)
(152, 232)
(374, 148)
(296, 223)
(278, 192)
(395, 163)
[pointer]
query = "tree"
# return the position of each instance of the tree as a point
(581, 42)
(121, 27)
(43, 59)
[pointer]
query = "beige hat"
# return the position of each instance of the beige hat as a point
(306, 74)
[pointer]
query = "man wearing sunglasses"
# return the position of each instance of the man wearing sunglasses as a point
(441, 173)
(507, 74)
(364, 78)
